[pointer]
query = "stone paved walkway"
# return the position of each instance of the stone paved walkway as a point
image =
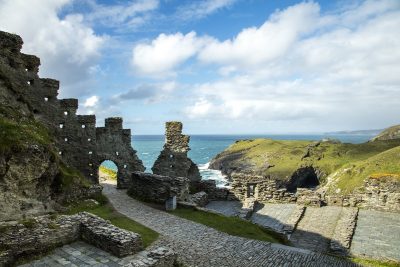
(273, 216)
(78, 254)
(377, 235)
(316, 228)
(199, 245)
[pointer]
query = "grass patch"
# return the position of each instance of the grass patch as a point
(375, 263)
(17, 135)
(107, 212)
(112, 174)
(383, 166)
(230, 225)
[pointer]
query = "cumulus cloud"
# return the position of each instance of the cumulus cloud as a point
(68, 47)
(308, 68)
(166, 52)
(91, 101)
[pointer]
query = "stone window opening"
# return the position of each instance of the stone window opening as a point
(171, 166)
(61, 126)
(26, 70)
(90, 164)
(89, 139)
(90, 153)
(171, 156)
(46, 99)
(30, 82)
(83, 126)
(65, 113)
(66, 139)
(117, 153)
(59, 152)
(251, 190)
(91, 174)
(125, 166)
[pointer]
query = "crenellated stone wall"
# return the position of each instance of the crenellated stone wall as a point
(173, 160)
(80, 144)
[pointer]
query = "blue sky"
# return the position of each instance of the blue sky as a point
(220, 66)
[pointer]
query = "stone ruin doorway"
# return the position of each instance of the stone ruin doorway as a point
(108, 172)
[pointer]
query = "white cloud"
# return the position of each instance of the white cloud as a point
(68, 47)
(166, 52)
(306, 70)
(200, 9)
(272, 40)
(131, 14)
(91, 101)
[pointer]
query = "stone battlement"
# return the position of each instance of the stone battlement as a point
(80, 144)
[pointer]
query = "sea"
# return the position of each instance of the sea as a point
(205, 147)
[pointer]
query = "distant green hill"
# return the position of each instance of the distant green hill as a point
(280, 159)
(388, 134)
(385, 165)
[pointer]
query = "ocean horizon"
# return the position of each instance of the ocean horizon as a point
(205, 147)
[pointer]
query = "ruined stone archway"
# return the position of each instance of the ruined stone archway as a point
(114, 143)
(108, 170)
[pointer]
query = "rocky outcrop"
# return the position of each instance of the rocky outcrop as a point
(158, 188)
(388, 134)
(173, 160)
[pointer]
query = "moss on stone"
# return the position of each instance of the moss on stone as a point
(15, 135)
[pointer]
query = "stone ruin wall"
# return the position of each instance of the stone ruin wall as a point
(173, 160)
(80, 144)
(375, 194)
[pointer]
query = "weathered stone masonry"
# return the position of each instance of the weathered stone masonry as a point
(79, 142)
(173, 160)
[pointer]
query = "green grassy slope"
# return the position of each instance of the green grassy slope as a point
(281, 158)
(389, 133)
(383, 166)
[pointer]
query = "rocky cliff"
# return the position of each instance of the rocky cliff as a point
(388, 134)
(308, 164)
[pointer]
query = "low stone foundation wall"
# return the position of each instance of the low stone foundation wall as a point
(264, 189)
(213, 192)
(158, 188)
(41, 234)
(158, 257)
(378, 194)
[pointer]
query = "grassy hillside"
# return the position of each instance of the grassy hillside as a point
(281, 158)
(383, 166)
(389, 133)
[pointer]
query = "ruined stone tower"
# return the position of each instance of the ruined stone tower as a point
(173, 160)
(79, 143)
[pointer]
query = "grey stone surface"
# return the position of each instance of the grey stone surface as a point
(158, 188)
(199, 199)
(82, 254)
(316, 228)
(344, 231)
(198, 245)
(377, 235)
(173, 160)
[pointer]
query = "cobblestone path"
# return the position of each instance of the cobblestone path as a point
(198, 245)
(316, 228)
(377, 235)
